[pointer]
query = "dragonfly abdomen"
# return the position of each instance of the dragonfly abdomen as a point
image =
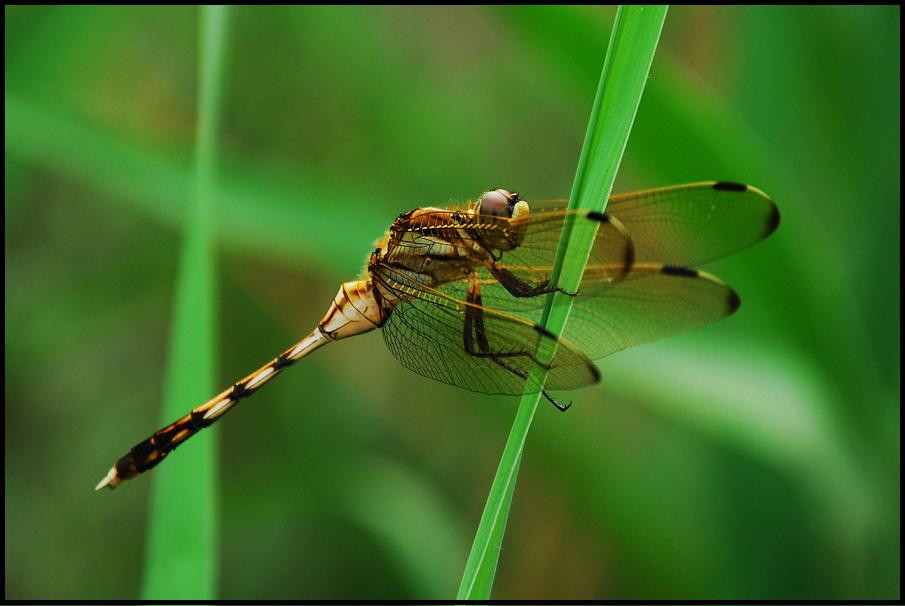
(355, 310)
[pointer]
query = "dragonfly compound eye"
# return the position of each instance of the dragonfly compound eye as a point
(495, 203)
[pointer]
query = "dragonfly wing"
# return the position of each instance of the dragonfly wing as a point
(531, 263)
(692, 224)
(472, 346)
(685, 225)
(673, 226)
(652, 302)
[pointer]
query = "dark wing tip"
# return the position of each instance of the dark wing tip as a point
(772, 215)
(773, 219)
(595, 371)
(596, 216)
(733, 302)
(729, 186)
(674, 270)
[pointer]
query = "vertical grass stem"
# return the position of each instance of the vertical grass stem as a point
(633, 42)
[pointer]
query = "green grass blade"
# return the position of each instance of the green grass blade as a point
(181, 551)
(256, 208)
(636, 32)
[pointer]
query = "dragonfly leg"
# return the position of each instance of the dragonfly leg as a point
(475, 331)
(555, 402)
(517, 287)
(474, 319)
(478, 322)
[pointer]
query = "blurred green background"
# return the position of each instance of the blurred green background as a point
(756, 458)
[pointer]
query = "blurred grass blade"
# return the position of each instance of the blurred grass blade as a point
(416, 526)
(256, 205)
(181, 552)
(634, 38)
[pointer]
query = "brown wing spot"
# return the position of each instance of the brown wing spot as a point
(685, 272)
(730, 186)
(773, 219)
(734, 302)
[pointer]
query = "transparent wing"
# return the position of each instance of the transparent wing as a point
(609, 261)
(693, 224)
(470, 345)
(652, 302)
(687, 225)
(635, 288)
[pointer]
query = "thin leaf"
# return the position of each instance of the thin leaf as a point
(181, 557)
(631, 50)
(257, 210)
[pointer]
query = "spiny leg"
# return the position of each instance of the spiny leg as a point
(474, 319)
(555, 402)
(517, 287)
(474, 323)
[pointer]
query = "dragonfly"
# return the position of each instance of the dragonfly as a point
(459, 293)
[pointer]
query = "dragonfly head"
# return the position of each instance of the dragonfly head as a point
(501, 203)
